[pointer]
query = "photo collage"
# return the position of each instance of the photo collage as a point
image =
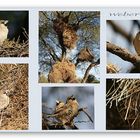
(70, 70)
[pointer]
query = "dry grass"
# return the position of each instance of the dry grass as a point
(14, 49)
(14, 82)
(125, 94)
(112, 68)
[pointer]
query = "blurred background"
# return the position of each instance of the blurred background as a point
(84, 95)
(122, 33)
(17, 25)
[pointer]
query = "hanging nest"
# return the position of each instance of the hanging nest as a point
(66, 34)
(62, 72)
(69, 38)
(58, 26)
(112, 68)
(125, 95)
(85, 55)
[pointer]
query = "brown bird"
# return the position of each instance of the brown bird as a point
(136, 43)
(65, 113)
(73, 107)
(59, 104)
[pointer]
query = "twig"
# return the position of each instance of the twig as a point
(127, 111)
(45, 15)
(81, 121)
(83, 110)
(123, 54)
(88, 70)
(120, 30)
(52, 53)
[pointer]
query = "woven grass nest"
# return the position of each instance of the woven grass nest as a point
(125, 95)
(14, 49)
(62, 72)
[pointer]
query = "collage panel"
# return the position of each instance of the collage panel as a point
(13, 96)
(68, 108)
(69, 46)
(123, 46)
(123, 104)
(14, 33)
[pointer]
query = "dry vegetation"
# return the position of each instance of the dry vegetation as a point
(62, 72)
(14, 48)
(14, 82)
(124, 97)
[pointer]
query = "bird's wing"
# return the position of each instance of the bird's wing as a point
(61, 109)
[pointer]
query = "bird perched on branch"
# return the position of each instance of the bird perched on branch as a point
(65, 113)
(136, 43)
(3, 31)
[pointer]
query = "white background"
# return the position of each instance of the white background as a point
(69, 3)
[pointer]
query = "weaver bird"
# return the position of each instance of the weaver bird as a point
(65, 113)
(59, 104)
(136, 43)
(73, 106)
(4, 101)
(3, 31)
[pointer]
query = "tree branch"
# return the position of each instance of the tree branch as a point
(83, 110)
(88, 70)
(123, 54)
(52, 53)
(120, 30)
(45, 15)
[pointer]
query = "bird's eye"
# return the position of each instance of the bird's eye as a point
(73, 98)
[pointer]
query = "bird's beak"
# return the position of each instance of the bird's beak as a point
(57, 101)
(5, 22)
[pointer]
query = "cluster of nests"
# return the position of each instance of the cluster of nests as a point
(14, 86)
(64, 71)
(125, 95)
